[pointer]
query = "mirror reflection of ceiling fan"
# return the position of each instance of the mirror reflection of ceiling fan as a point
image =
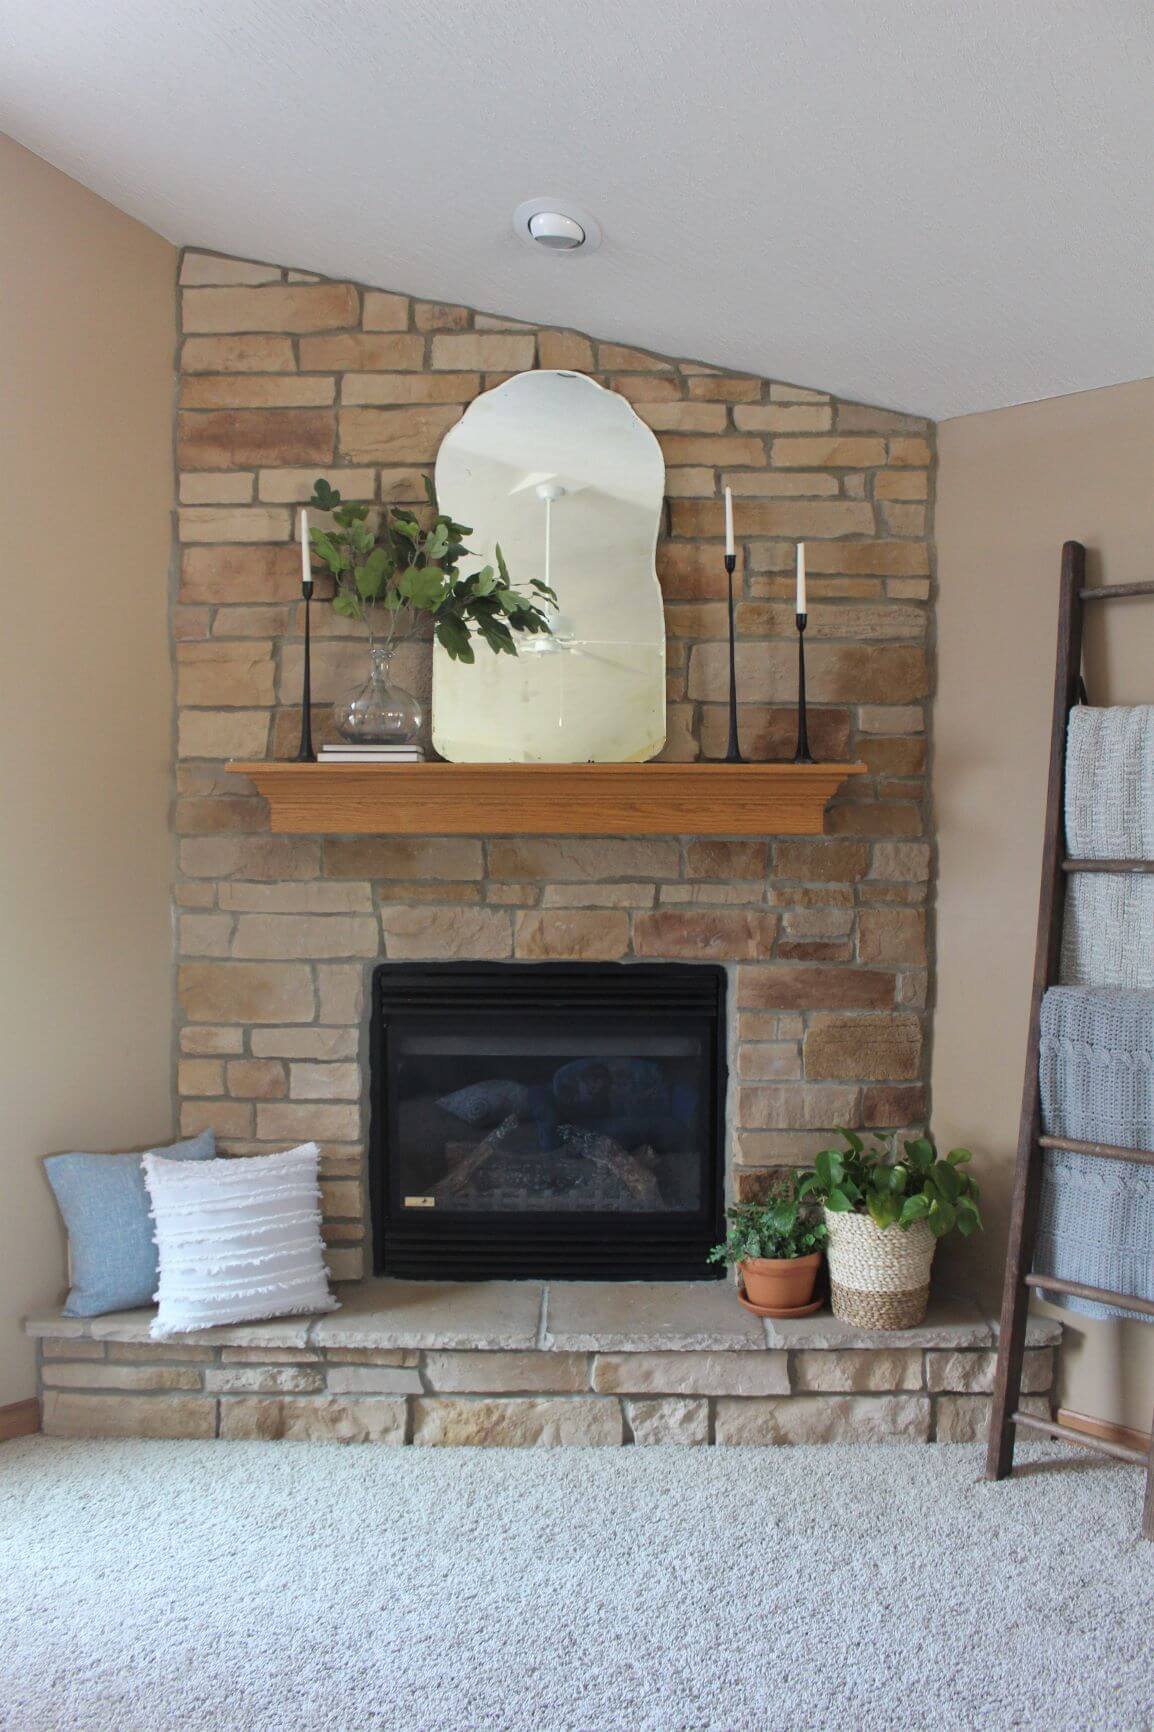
(562, 639)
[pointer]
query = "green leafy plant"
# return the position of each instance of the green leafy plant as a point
(391, 568)
(782, 1226)
(872, 1179)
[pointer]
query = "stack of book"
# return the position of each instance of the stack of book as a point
(345, 752)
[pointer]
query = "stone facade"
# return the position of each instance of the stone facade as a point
(516, 1364)
(283, 378)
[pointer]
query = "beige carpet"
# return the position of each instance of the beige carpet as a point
(277, 1587)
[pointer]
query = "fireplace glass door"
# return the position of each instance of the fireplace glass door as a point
(539, 1119)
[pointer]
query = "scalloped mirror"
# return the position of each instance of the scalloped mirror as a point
(571, 483)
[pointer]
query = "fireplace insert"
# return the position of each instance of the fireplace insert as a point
(547, 1119)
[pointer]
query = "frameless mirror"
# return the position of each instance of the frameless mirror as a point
(570, 482)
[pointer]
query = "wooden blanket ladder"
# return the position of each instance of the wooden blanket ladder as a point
(1006, 1415)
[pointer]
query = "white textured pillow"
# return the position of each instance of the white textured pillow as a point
(240, 1243)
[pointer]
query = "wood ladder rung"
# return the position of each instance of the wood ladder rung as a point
(1115, 591)
(1108, 1151)
(1102, 1295)
(1103, 1446)
(1108, 865)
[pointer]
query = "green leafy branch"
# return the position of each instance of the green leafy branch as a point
(871, 1180)
(388, 573)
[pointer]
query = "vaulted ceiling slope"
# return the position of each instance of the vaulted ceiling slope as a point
(940, 206)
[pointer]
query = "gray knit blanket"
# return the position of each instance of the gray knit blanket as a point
(1096, 1064)
(1108, 933)
(1096, 1070)
(1110, 783)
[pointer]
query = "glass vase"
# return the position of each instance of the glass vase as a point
(376, 712)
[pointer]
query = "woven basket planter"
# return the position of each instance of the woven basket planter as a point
(879, 1278)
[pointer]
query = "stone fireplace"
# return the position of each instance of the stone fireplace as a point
(293, 949)
(284, 378)
(547, 1119)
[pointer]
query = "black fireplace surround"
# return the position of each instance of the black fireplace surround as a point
(560, 1119)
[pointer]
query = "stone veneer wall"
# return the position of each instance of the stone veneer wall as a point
(284, 377)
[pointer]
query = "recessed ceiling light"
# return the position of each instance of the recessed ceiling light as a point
(556, 225)
(551, 228)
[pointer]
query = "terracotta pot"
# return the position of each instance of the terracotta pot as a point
(780, 1283)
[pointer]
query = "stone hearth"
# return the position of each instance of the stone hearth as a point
(527, 1363)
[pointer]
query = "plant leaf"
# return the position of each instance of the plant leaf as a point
(967, 1217)
(323, 544)
(915, 1208)
(946, 1180)
(372, 575)
(496, 634)
(453, 635)
(883, 1210)
(437, 541)
(423, 586)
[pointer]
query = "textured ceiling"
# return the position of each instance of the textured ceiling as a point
(939, 205)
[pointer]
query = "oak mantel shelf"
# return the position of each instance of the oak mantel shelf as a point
(700, 799)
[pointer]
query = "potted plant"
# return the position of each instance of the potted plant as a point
(884, 1216)
(389, 572)
(777, 1248)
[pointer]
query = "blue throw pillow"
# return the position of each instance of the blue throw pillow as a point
(105, 1207)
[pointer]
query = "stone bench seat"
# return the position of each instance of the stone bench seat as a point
(523, 1362)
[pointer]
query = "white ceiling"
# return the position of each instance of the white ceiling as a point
(939, 205)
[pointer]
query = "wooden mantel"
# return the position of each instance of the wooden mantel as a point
(702, 799)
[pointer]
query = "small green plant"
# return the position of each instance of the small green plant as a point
(782, 1226)
(871, 1179)
(390, 571)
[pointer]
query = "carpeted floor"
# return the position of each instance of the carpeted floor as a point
(308, 1588)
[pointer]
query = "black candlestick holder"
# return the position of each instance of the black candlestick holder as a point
(803, 755)
(306, 754)
(733, 751)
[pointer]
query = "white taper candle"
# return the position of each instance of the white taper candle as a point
(728, 523)
(306, 562)
(801, 577)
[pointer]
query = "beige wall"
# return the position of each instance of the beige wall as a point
(1013, 485)
(86, 344)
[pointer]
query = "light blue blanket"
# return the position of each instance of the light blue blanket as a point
(1096, 1070)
